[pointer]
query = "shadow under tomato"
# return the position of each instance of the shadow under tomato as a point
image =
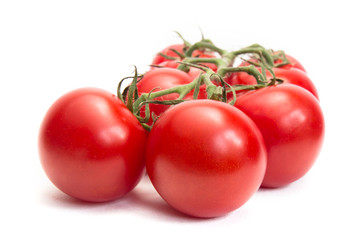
(143, 200)
(150, 203)
(272, 189)
(56, 198)
(293, 186)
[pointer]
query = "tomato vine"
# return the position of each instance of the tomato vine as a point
(205, 158)
(217, 87)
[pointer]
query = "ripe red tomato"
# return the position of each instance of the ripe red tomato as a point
(91, 146)
(168, 51)
(205, 158)
(160, 79)
(291, 75)
(292, 124)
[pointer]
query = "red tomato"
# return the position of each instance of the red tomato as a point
(292, 76)
(91, 146)
(160, 79)
(205, 158)
(160, 60)
(293, 63)
(292, 124)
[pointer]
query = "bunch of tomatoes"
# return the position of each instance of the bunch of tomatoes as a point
(209, 132)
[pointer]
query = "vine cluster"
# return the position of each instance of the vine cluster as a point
(259, 60)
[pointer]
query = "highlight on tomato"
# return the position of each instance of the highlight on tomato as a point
(91, 146)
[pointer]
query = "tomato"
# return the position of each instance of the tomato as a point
(205, 158)
(160, 79)
(292, 76)
(292, 124)
(91, 146)
(168, 51)
(293, 63)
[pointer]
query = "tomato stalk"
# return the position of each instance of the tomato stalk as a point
(203, 44)
(264, 60)
(195, 60)
(263, 53)
(182, 90)
(280, 55)
(213, 92)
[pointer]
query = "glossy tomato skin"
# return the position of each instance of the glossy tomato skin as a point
(292, 124)
(161, 79)
(91, 146)
(289, 76)
(205, 158)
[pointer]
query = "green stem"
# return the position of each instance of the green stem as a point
(251, 70)
(224, 64)
(203, 44)
(258, 49)
(282, 56)
(186, 43)
(228, 59)
(272, 82)
(217, 61)
(190, 61)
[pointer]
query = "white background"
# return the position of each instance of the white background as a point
(50, 47)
